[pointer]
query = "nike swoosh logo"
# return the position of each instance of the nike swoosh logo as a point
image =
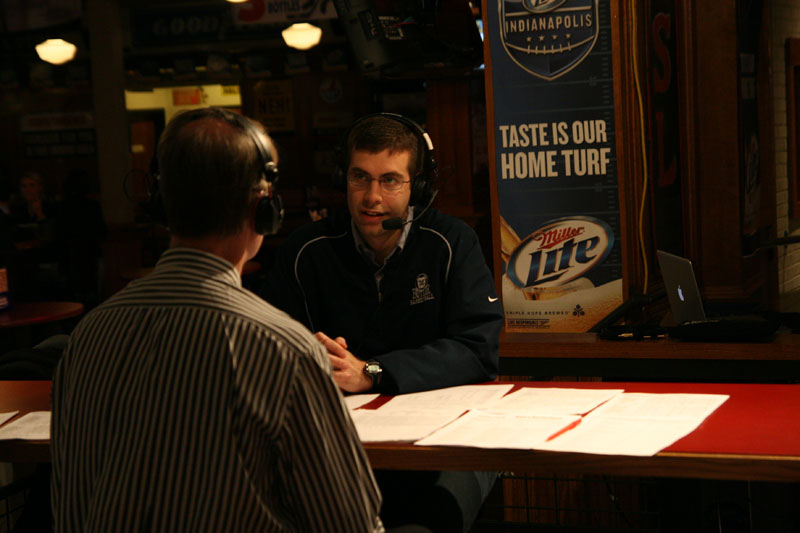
(492, 300)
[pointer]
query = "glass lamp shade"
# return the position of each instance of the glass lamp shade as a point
(302, 35)
(56, 51)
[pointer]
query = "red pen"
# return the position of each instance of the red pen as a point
(564, 429)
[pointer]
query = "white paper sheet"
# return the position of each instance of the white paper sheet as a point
(626, 424)
(354, 401)
(488, 429)
(620, 436)
(465, 397)
(379, 425)
(31, 426)
(669, 406)
(638, 424)
(5, 417)
(553, 401)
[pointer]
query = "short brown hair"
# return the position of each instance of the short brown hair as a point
(378, 133)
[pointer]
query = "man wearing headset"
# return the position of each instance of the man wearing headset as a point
(186, 402)
(400, 296)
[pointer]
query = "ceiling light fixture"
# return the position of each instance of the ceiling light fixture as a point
(302, 35)
(56, 51)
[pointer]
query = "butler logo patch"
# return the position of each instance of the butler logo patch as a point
(548, 38)
(421, 292)
(560, 251)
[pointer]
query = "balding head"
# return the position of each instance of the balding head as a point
(209, 166)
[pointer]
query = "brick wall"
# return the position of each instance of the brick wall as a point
(785, 23)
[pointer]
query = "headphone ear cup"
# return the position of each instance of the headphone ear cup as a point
(418, 190)
(271, 173)
(269, 215)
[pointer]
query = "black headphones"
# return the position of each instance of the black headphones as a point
(422, 185)
(269, 211)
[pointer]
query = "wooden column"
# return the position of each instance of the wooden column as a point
(714, 185)
(449, 125)
(108, 89)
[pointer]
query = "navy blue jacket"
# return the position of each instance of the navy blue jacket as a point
(433, 322)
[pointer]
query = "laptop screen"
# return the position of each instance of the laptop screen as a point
(681, 287)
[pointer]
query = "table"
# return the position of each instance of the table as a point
(31, 313)
(544, 355)
(752, 436)
(747, 438)
(24, 396)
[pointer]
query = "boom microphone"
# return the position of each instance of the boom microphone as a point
(398, 223)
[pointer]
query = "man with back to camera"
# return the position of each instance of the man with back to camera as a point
(187, 403)
(400, 296)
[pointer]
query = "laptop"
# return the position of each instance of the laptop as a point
(691, 322)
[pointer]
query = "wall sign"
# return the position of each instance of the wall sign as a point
(274, 104)
(67, 134)
(188, 96)
(156, 27)
(282, 11)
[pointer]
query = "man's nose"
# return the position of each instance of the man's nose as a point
(373, 192)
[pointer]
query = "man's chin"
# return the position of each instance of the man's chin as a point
(370, 222)
(371, 228)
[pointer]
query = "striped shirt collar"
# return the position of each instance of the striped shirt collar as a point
(175, 260)
(364, 249)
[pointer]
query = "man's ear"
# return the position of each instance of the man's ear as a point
(268, 214)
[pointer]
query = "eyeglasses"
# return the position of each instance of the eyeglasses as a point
(388, 183)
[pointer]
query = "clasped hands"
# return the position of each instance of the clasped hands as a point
(348, 370)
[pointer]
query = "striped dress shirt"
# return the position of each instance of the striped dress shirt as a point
(187, 403)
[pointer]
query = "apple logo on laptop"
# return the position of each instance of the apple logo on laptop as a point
(680, 294)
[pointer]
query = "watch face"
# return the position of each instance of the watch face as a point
(373, 369)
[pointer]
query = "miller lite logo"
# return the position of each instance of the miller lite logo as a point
(560, 251)
(548, 38)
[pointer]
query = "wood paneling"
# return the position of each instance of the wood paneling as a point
(449, 125)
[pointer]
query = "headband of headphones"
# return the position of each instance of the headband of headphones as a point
(269, 211)
(270, 169)
(422, 187)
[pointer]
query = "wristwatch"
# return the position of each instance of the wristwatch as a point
(373, 370)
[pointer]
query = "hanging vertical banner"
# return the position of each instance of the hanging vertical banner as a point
(554, 139)
(748, 28)
(666, 182)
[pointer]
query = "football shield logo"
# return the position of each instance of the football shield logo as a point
(548, 38)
